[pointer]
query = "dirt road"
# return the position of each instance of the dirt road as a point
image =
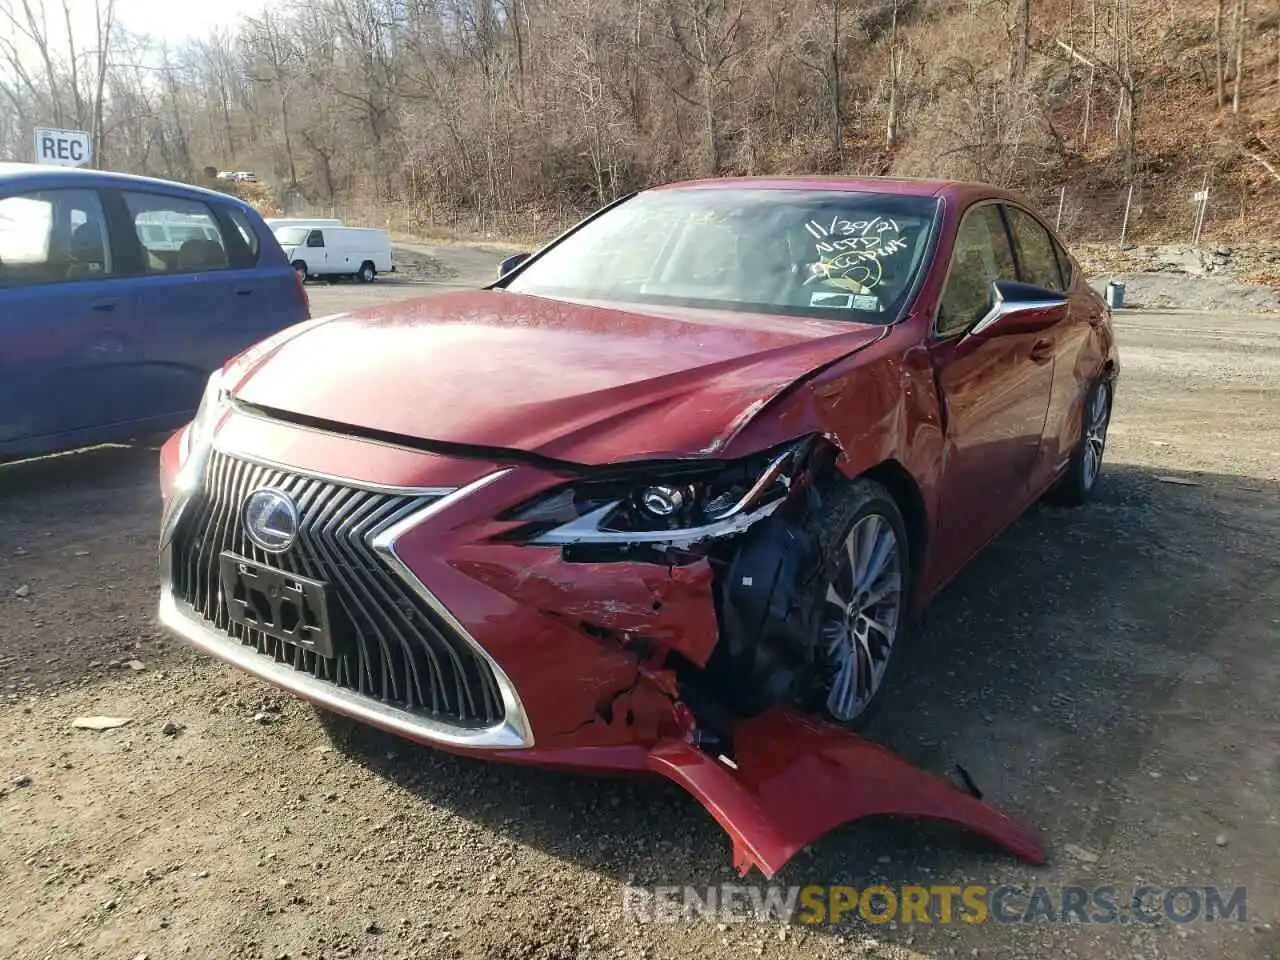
(1108, 674)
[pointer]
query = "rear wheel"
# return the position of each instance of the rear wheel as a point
(864, 601)
(1076, 485)
(366, 272)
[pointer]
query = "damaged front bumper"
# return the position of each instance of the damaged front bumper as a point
(793, 778)
(590, 656)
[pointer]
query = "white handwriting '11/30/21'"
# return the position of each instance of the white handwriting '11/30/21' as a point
(878, 237)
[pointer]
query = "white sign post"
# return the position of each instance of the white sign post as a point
(63, 148)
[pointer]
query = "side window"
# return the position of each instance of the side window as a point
(1036, 256)
(1064, 265)
(248, 236)
(316, 238)
(51, 236)
(981, 256)
(176, 235)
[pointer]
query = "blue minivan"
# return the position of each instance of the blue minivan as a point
(119, 295)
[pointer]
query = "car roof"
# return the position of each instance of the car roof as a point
(35, 174)
(959, 190)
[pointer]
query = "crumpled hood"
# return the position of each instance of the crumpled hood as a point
(577, 381)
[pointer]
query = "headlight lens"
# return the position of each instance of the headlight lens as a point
(199, 431)
(660, 503)
(193, 450)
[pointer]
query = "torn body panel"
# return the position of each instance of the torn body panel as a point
(793, 779)
(633, 604)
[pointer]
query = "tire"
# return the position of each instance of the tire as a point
(859, 660)
(366, 272)
(300, 267)
(1078, 483)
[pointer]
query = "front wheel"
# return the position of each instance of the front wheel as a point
(1076, 485)
(300, 268)
(864, 602)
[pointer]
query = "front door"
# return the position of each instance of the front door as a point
(65, 319)
(994, 392)
(316, 254)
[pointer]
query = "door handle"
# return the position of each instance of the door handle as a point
(243, 291)
(106, 304)
(1042, 351)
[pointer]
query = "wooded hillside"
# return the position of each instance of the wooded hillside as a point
(517, 115)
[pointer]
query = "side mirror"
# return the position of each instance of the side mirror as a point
(1020, 308)
(509, 264)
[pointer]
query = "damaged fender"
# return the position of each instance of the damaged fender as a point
(794, 778)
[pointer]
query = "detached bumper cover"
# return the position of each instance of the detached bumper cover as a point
(795, 778)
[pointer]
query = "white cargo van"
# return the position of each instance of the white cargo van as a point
(275, 223)
(332, 252)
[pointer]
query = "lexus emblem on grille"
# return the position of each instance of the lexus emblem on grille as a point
(271, 520)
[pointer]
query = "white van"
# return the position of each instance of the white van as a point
(360, 252)
(274, 223)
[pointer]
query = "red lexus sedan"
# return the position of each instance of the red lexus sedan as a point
(665, 497)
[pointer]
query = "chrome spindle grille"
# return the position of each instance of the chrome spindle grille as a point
(396, 648)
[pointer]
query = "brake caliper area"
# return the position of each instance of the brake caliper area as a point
(794, 778)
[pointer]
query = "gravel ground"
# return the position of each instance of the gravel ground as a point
(1108, 674)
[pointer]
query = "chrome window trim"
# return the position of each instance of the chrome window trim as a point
(514, 732)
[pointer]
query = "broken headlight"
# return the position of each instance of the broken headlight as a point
(661, 503)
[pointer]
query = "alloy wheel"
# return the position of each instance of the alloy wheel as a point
(863, 606)
(1097, 419)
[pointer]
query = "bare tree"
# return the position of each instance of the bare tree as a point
(895, 74)
(1218, 80)
(1242, 21)
(705, 35)
(275, 59)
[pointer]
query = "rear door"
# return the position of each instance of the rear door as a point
(1038, 263)
(219, 285)
(185, 295)
(66, 315)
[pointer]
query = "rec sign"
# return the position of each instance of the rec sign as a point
(65, 148)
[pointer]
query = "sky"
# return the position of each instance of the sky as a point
(164, 21)
(173, 21)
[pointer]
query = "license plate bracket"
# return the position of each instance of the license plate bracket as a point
(283, 605)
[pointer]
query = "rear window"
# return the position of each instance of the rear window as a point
(1036, 257)
(248, 236)
(812, 253)
(177, 235)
